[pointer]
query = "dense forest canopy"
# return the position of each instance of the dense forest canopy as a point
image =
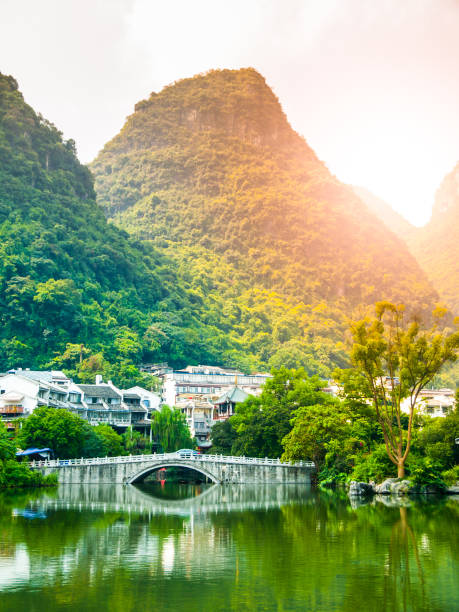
(76, 291)
(231, 243)
(278, 252)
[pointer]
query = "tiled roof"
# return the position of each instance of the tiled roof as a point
(235, 395)
(43, 375)
(103, 391)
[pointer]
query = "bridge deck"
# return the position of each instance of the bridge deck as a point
(167, 456)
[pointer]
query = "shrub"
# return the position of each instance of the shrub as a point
(17, 475)
(425, 472)
(373, 466)
(450, 477)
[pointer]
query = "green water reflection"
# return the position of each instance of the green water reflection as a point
(223, 548)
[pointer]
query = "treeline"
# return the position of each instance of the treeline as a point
(294, 419)
(69, 436)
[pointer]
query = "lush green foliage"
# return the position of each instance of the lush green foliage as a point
(14, 474)
(436, 439)
(170, 431)
(75, 292)
(135, 443)
(276, 251)
(393, 360)
(112, 442)
(53, 428)
(323, 433)
(223, 437)
(295, 419)
(261, 423)
(374, 465)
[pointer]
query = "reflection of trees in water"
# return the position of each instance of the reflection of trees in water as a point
(316, 554)
(402, 549)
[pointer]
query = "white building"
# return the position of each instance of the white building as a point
(209, 382)
(149, 400)
(198, 412)
(433, 402)
(21, 391)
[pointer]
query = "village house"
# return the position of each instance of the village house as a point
(225, 405)
(210, 382)
(433, 402)
(22, 391)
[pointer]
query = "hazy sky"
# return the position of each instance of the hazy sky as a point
(373, 85)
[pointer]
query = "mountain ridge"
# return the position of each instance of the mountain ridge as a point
(256, 200)
(435, 245)
(76, 291)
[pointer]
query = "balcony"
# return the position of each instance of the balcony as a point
(12, 410)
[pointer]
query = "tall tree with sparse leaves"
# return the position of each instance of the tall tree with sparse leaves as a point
(393, 359)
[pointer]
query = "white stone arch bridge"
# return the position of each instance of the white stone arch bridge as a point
(217, 468)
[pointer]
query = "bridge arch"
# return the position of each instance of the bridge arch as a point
(157, 466)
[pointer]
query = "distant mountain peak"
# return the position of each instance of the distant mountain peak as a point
(436, 245)
(237, 103)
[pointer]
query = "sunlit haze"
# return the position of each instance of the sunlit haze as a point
(372, 86)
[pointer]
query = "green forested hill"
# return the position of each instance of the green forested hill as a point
(277, 251)
(436, 245)
(68, 277)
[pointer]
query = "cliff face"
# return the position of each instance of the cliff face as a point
(436, 245)
(276, 249)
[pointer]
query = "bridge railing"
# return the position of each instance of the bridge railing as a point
(168, 456)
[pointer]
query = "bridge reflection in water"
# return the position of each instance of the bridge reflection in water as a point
(140, 499)
(232, 548)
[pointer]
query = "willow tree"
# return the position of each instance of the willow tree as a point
(394, 357)
(170, 430)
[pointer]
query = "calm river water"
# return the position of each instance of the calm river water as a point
(220, 548)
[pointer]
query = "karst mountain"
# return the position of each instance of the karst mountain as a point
(278, 252)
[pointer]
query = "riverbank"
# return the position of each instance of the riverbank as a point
(398, 487)
(14, 475)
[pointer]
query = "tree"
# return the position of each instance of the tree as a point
(320, 432)
(223, 437)
(14, 474)
(170, 430)
(437, 438)
(55, 428)
(393, 360)
(112, 443)
(7, 448)
(261, 423)
(135, 443)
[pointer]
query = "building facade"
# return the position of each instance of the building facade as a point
(22, 391)
(433, 402)
(209, 382)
